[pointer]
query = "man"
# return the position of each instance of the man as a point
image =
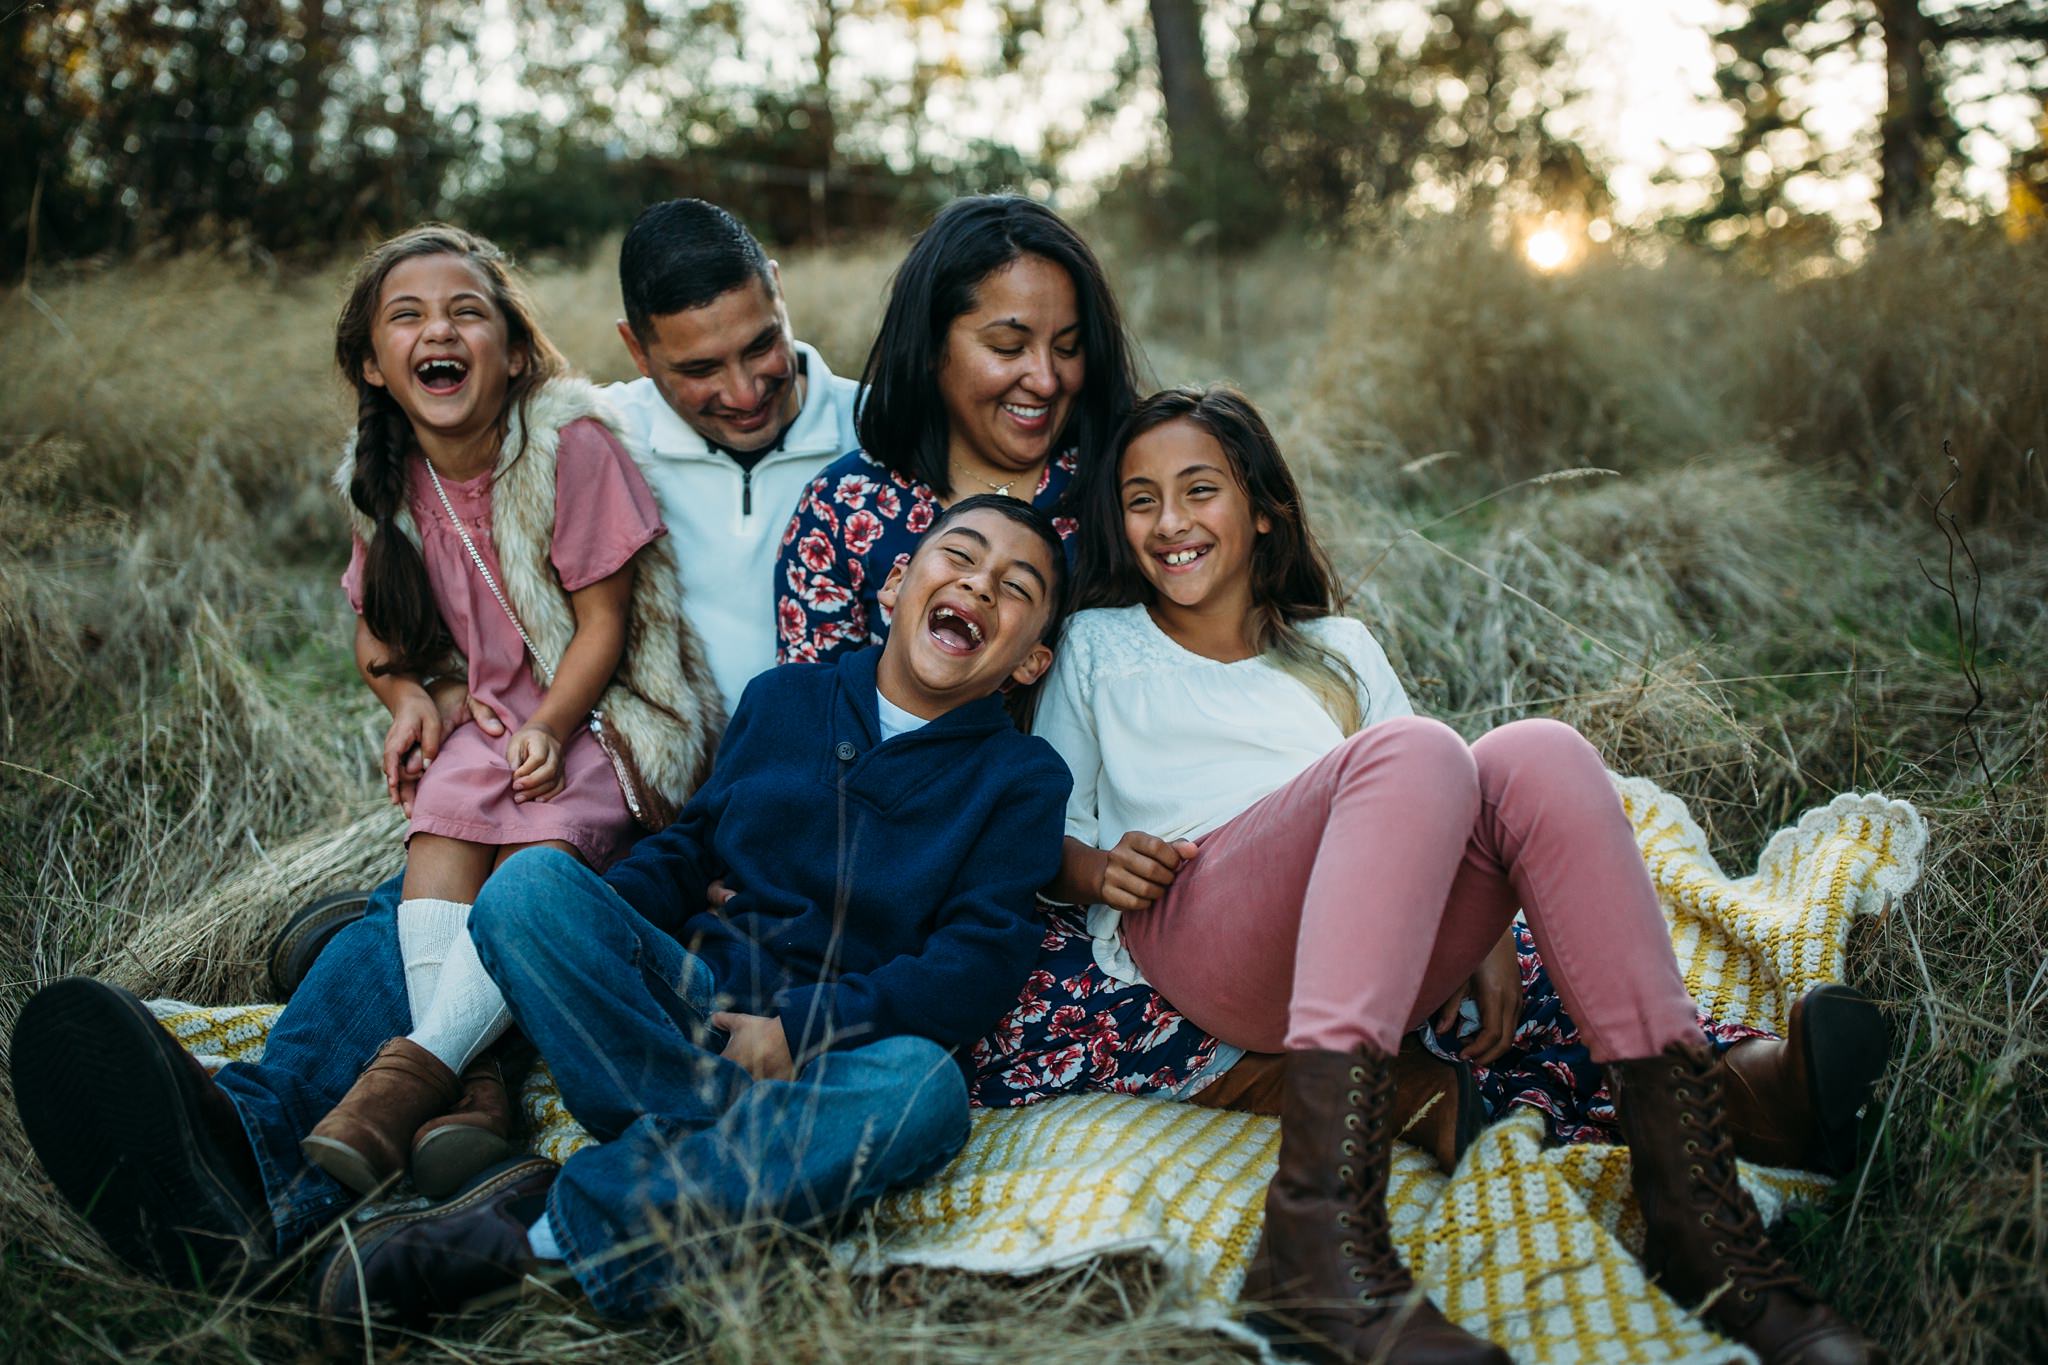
(200, 1179)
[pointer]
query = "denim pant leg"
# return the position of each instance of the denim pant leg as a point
(634, 1214)
(618, 1010)
(351, 1003)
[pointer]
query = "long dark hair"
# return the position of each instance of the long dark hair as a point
(901, 421)
(1292, 578)
(398, 602)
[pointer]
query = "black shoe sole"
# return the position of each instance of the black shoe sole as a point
(113, 1113)
(1847, 1046)
(306, 934)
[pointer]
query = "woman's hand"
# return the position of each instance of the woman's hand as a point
(535, 753)
(457, 707)
(1136, 873)
(1497, 989)
(757, 1044)
(410, 744)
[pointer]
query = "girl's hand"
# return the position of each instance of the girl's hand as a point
(1136, 873)
(457, 707)
(415, 726)
(758, 1044)
(1497, 988)
(535, 753)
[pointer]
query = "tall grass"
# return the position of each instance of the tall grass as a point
(1668, 501)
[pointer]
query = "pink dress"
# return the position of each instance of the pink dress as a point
(604, 514)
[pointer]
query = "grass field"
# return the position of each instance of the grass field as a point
(1683, 507)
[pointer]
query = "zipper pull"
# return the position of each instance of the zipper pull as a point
(746, 492)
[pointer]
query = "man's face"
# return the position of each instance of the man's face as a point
(727, 368)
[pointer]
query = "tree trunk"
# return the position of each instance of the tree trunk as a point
(1193, 122)
(1908, 119)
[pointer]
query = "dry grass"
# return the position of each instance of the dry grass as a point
(1737, 610)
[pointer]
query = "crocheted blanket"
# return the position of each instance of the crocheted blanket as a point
(1530, 1245)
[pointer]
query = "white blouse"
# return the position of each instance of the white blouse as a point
(1163, 740)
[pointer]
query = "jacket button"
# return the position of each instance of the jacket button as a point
(845, 751)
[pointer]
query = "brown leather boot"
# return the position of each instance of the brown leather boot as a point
(363, 1140)
(1436, 1103)
(1794, 1101)
(1330, 1284)
(1703, 1239)
(472, 1137)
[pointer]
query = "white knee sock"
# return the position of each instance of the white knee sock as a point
(467, 1014)
(427, 929)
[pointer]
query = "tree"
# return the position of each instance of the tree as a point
(1767, 65)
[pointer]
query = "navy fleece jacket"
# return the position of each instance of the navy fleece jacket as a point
(881, 888)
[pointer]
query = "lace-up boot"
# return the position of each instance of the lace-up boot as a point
(1704, 1241)
(1330, 1284)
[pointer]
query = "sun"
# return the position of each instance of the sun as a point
(1547, 249)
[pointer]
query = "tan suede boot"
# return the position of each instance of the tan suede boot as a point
(1329, 1284)
(470, 1138)
(363, 1140)
(1703, 1239)
(1794, 1101)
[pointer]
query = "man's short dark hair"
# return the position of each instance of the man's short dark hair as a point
(682, 254)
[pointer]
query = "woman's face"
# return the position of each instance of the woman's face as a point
(1187, 518)
(1012, 367)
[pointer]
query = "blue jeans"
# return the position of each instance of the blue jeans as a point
(351, 1003)
(693, 1148)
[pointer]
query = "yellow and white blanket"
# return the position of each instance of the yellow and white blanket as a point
(1527, 1244)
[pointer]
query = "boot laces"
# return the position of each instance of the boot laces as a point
(1727, 1213)
(1368, 1248)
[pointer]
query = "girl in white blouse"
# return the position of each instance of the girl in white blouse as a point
(1265, 832)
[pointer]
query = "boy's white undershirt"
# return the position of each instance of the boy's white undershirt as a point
(895, 720)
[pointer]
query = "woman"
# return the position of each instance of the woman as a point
(1264, 829)
(1001, 367)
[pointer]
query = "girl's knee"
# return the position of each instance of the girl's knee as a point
(1540, 744)
(1428, 751)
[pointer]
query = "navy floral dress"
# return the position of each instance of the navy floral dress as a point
(1075, 1028)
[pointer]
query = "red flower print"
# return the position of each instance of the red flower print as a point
(790, 619)
(863, 529)
(1061, 1067)
(1068, 462)
(821, 510)
(1068, 1021)
(854, 490)
(793, 575)
(789, 531)
(816, 552)
(856, 574)
(920, 518)
(822, 594)
(1080, 986)
(1066, 526)
(887, 503)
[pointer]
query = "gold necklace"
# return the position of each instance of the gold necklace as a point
(1002, 489)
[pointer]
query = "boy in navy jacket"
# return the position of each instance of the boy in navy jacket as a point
(881, 829)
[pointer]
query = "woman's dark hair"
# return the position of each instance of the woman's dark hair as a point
(1292, 578)
(398, 602)
(901, 421)
(1024, 514)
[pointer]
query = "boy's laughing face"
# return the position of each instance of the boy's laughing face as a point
(968, 614)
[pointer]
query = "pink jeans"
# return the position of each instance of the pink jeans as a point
(1349, 904)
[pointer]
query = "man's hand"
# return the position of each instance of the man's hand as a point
(757, 1044)
(1138, 870)
(410, 745)
(1497, 988)
(535, 753)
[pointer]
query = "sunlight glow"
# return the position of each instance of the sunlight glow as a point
(1547, 249)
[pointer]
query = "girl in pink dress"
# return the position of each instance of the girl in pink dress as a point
(503, 537)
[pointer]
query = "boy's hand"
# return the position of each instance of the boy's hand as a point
(1497, 989)
(410, 744)
(1140, 868)
(535, 753)
(757, 1044)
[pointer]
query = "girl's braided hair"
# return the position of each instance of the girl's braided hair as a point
(398, 601)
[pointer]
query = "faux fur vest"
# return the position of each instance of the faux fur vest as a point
(662, 709)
